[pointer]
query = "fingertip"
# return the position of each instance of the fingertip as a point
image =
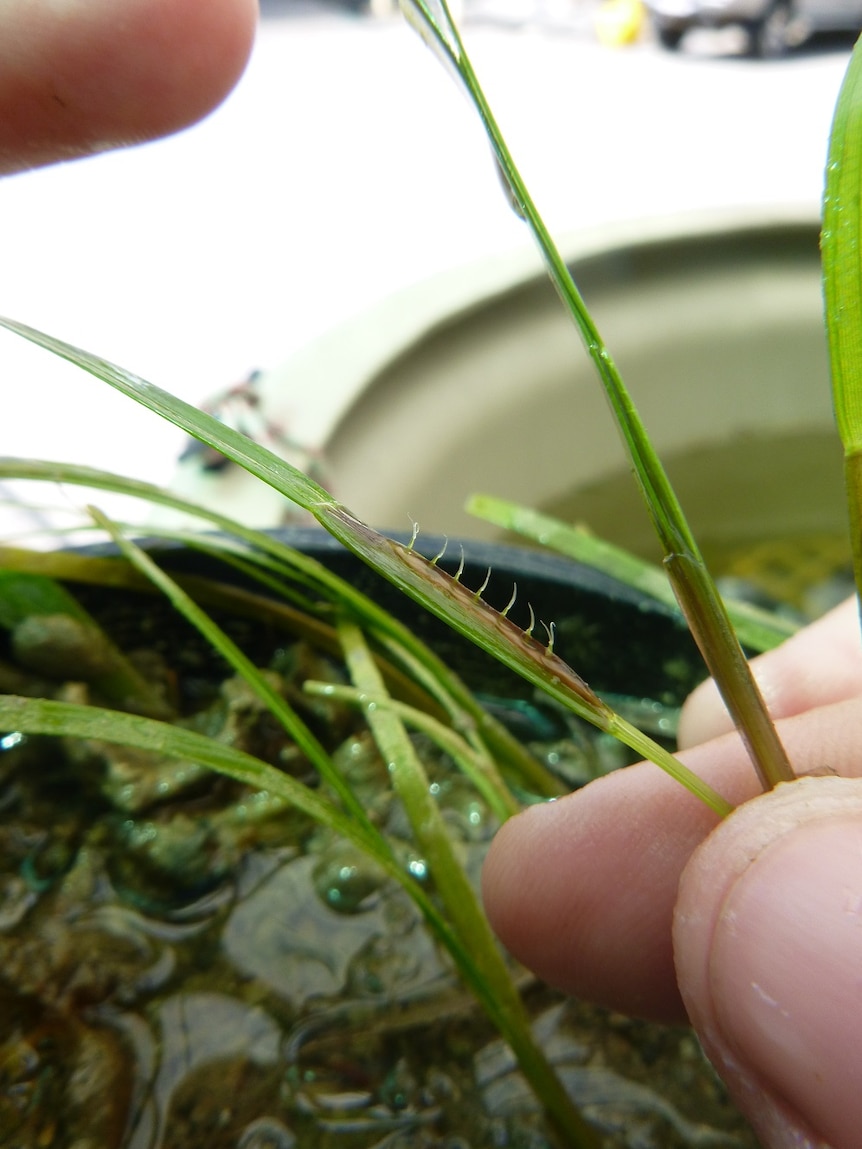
(196, 55)
(581, 890)
(84, 75)
(767, 948)
(703, 716)
(509, 875)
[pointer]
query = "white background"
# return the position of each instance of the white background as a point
(344, 166)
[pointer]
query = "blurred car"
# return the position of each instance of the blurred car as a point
(773, 26)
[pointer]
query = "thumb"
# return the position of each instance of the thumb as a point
(768, 952)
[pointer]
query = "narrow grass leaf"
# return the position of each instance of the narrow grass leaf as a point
(842, 287)
(243, 666)
(758, 630)
(477, 767)
(417, 577)
(495, 988)
(700, 602)
(70, 720)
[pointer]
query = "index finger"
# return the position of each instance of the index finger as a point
(81, 76)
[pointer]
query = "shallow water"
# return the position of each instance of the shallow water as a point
(185, 964)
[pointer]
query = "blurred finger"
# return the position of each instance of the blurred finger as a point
(80, 76)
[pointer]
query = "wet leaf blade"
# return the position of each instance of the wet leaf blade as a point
(35, 602)
(243, 666)
(758, 630)
(418, 578)
(842, 255)
(494, 988)
(477, 768)
(842, 287)
(23, 595)
(439, 678)
(699, 600)
(43, 716)
(398, 564)
(70, 720)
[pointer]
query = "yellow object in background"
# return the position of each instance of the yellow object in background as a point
(619, 22)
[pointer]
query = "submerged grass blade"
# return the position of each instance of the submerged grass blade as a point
(279, 616)
(65, 719)
(496, 987)
(42, 716)
(470, 943)
(57, 632)
(402, 566)
(506, 749)
(243, 666)
(437, 592)
(842, 287)
(474, 766)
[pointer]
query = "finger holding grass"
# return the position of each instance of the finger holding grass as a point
(582, 890)
(822, 664)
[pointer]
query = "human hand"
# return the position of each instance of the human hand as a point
(629, 893)
(82, 76)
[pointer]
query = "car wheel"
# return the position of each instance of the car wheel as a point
(669, 35)
(769, 36)
(389, 8)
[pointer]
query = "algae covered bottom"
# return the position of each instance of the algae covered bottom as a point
(188, 963)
